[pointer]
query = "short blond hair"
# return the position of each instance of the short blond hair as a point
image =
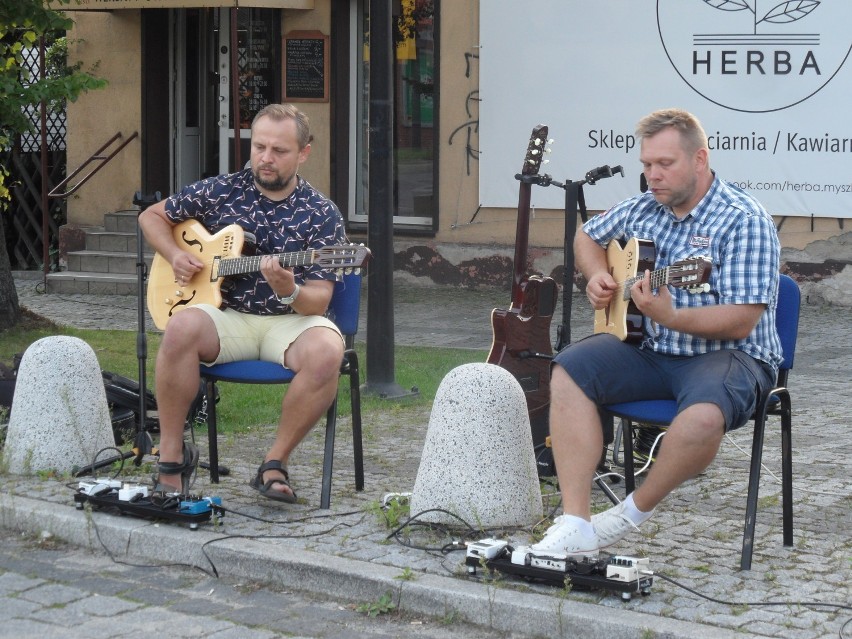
(279, 112)
(691, 132)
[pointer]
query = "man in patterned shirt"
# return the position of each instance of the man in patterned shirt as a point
(275, 315)
(715, 351)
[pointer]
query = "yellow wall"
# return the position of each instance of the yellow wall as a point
(317, 170)
(112, 41)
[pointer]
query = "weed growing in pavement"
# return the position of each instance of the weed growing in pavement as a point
(407, 574)
(383, 606)
(391, 515)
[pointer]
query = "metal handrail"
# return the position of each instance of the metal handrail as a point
(95, 157)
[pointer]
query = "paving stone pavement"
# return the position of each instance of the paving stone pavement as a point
(346, 554)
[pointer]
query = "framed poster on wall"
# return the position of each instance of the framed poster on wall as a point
(306, 64)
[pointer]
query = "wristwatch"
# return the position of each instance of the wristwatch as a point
(291, 297)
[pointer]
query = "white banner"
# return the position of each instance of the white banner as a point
(770, 81)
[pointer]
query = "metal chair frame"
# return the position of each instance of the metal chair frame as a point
(777, 402)
(343, 310)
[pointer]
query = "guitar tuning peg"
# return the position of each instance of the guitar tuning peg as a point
(548, 150)
(546, 162)
(551, 141)
(534, 152)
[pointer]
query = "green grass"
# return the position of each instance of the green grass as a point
(244, 406)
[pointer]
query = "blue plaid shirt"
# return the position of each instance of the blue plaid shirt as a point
(731, 228)
(304, 220)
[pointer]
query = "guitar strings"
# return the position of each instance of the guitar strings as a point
(658, 277)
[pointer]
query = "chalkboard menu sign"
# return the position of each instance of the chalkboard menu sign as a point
(306, 67)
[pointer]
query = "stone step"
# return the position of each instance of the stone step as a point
(111, 262)
(102, 240)
(121, 221)
(69, 282)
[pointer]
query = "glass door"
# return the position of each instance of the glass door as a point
(259, 64)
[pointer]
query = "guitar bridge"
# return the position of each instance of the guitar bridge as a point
(214, 271)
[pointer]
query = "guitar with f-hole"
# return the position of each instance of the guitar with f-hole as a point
(521, 334)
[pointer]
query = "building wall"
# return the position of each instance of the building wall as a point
(475, 246)
(472, 247)
(112, 42)
(317, 170)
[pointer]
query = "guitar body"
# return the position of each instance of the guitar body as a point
(621, 318)
(627, 266)
(165, 297)
(521, 345)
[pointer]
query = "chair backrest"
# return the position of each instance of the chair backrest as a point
(787, 318)
(345, 303)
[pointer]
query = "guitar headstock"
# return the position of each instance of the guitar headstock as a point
(691, 274)
(347, 258)
(536, 149)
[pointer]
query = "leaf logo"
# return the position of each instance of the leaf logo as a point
(752, 55)
(781, 13)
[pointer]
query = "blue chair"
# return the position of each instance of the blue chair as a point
(343, 310)
(661, 412)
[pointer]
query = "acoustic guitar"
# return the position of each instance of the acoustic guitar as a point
(221, 256)
(521, 334)
(627, 265)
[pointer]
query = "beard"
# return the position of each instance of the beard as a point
(277, 183)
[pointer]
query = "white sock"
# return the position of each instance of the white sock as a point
(633, 513)
(584, 526)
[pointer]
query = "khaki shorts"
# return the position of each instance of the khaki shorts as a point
(265, 337)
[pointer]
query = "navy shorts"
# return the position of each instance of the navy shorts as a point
(610, 371)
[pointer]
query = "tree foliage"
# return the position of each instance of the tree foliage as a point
(22, 25)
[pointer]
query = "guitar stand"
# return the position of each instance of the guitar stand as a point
(575, 202)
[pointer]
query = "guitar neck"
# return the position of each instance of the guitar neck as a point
(659, 277)
(522, 235)
(251, 263)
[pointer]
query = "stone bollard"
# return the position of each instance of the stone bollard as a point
(60, 418)
(478, 459)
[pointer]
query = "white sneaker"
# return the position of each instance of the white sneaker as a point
(612, 525)
(564, 537)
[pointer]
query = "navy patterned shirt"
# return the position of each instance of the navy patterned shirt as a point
(305, 220)
(731, 228)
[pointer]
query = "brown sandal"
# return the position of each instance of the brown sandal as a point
(265, 488)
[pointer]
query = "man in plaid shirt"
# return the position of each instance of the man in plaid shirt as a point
(715, 351)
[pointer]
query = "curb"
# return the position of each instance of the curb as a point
(489, 606)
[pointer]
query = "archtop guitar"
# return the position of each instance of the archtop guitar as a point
(221, 254)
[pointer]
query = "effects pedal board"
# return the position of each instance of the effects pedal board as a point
(614, 573)
(135, 499)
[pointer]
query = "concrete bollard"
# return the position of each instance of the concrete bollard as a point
(478, 459)
(60, 418)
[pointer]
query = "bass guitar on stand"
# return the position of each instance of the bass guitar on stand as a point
(521, 333)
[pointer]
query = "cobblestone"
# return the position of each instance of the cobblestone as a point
(344, 553)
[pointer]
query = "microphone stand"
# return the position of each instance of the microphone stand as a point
(575, 202)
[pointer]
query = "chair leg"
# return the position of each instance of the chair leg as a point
(629, 468)
(328, 457)
(357, 441)
(787, 469)
(212, 435)
(753, 489)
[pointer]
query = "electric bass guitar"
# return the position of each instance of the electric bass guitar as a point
(521, 334)
(627, 265)
(221, 256)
